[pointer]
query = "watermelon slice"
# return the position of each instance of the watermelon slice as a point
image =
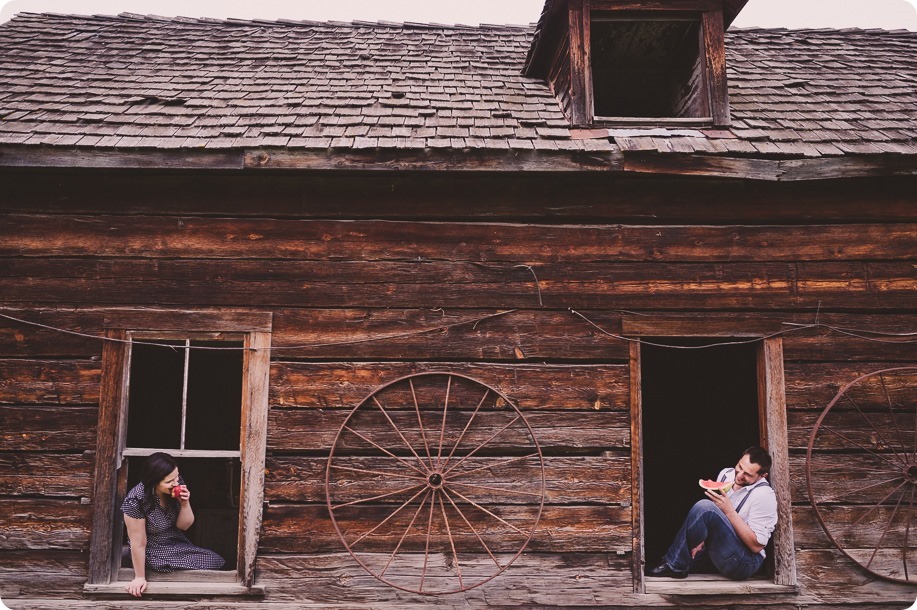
(721, 487)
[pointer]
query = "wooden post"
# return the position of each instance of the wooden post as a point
(108, 438)
(715, 56)
(772, 398)
(636, 465)
(580, 65)
(256, 383)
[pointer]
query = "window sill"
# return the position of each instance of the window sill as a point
(714, 584)
(177, 588)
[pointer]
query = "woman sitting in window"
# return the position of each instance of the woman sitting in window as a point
(157, 511)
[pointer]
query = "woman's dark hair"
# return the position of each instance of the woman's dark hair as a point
(760, 456)
(154, 469)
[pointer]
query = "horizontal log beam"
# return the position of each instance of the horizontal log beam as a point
(429, 284)
(287, 239)
(48, 428)
(603, 479)
(298, 528)
(596, 387)
(308, 430)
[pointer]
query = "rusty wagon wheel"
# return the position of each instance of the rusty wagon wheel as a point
(861, 472)
(435, 483)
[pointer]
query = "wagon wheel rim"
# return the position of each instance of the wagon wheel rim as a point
(436, 471)
(891, 465)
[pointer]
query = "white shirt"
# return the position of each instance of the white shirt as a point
(760, 511)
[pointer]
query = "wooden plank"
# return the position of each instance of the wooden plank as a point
(180, 589)
(765, 169)
(774, 430)
(847, 478)
(51, 573)
(695, 586)
(36, 428)
(423, 334)
(428, 159)
(534, 578)
(508, 198)
(49, 382)
(601, 479)
(44, 523)
(636, 464)
(865, 535)
(850, 430)
(55, 235)
(46, 474)
(715, 57)
(111, 425)
(308, 430)
(255, 390)
(580, 91)
(801, 286)
(813, 385)
(597, 387)
(305, 528)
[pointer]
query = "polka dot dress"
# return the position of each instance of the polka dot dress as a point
(167, 547)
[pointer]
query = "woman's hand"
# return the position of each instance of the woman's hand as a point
(137, 586)
(184, 496)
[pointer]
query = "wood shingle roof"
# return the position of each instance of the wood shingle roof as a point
(139, 83)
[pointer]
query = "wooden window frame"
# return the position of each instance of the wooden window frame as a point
(710, 19)
(773, 430)
(254, 331)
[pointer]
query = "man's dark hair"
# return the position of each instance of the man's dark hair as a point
(760, 456)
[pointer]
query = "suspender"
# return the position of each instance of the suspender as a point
(750, 489)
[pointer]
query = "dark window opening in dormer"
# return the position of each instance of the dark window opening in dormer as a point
(648, 67)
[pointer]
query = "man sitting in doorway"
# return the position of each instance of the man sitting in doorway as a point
(730, 531)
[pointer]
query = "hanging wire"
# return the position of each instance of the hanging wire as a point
(865, 335)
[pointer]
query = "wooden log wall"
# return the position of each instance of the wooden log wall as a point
(373, 278)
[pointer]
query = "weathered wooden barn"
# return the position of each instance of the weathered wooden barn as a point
(456, 316)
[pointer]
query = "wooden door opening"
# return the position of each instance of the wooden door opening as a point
(700, 411)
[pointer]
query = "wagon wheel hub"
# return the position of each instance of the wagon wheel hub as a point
(435, 480)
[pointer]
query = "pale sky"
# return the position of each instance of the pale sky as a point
(887, 14)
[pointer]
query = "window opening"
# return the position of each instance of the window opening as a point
(700, 411)
(646, 67)
(188, 402)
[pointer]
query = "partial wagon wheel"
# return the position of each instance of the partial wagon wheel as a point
(435, 483)
(861, 471)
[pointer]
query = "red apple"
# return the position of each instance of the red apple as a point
(176, 491)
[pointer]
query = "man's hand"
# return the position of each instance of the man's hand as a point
(722, 502)
(696, 550)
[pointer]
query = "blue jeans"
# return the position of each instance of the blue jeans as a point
(707, 523)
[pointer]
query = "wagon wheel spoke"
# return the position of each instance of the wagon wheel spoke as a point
(463, 473)
(472, 528)
(398, 431)
(406, 531)
(465, 429)
(458, 567)
(386, 520)
(891, 520)
(880, 485)
(891, 412)
(451, 420)
(442, 431)
(482, 445)
(876, 430)
(383, 450)
(423, 432)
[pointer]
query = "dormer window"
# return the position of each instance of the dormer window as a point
(644, 67)
(635, 61)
